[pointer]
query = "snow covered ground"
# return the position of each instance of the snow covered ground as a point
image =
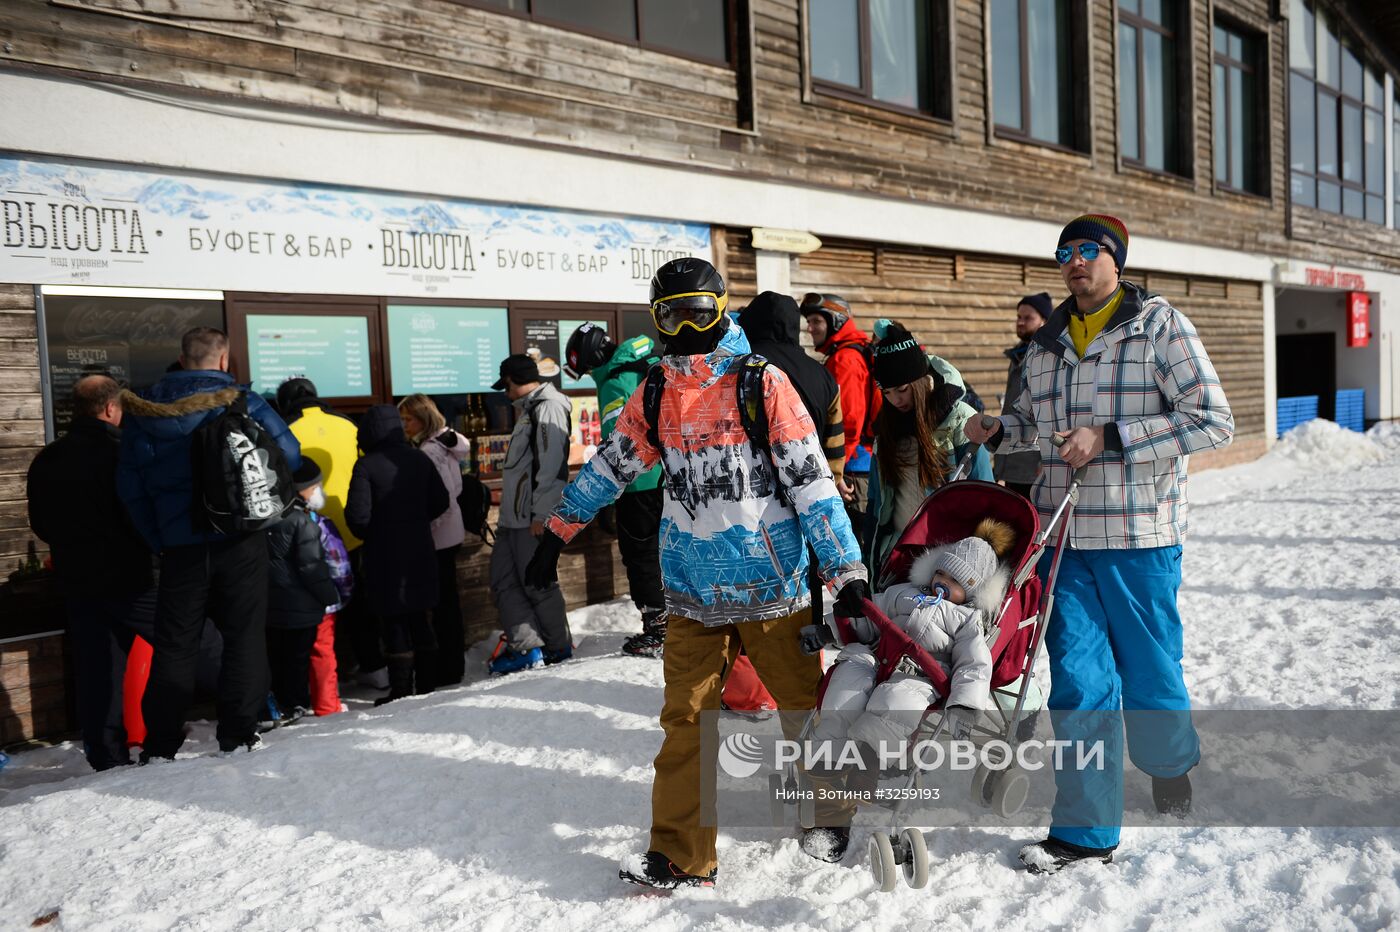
(506, 804)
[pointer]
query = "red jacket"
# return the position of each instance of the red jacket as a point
(846, 362)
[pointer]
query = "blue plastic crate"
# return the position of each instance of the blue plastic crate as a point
(1351, 408)
(1294, 411)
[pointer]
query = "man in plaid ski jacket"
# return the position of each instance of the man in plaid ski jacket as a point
(1123, 378)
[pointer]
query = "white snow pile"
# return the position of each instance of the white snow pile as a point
(506, 804)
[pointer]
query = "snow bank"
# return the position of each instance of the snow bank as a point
(506, 804)
(1314, 450)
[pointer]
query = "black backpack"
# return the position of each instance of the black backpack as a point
(474, 501)
(753, 416)
(240, 478)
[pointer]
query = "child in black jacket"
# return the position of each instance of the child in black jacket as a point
(301, 589)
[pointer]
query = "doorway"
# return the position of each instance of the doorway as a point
(1307, 365)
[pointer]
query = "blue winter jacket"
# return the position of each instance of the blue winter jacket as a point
(154, 476)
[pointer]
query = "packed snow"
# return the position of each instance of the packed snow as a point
(507, 803)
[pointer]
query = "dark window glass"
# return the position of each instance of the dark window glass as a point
(1329, 63)
(1353, 203)
(1148, 77)
(696, 27)
(899, 53)
(1375, 152)
(1006, 62)
(515, 6)
(1329, 196)
(1033, 69)
(836, 41)
(1302, 38)
(615, 18)
(1223, 136)
(1304, 190)
(1373, 88)
(1375, 209)
(1302, 124)
(1395, 147)
(884, 50)
(1351, 73)
(1352, 155)
(1129, 128)
(1326, 133)
(1048, 47)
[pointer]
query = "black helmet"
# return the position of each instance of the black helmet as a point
(832, 307)
(589, 347)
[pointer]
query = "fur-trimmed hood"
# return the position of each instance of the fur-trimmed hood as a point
(133, 403)
(986, 598)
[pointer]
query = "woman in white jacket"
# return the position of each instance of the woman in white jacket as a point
(428, 431)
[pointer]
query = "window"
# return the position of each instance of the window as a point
(1336, 127)
(693, 28)
(1239, 106)
(1153, 76)
(1037, 66)
(1395, 144)
(890, 51)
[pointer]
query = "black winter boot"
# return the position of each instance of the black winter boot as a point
(827, 844)
(1052, 855)
(400, 678)
(425, 671)
(1172, 795)
(654, 869)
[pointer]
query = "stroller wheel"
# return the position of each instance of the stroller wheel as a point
(777, 804)
(806, 802)
(1009, 791)
(983, 785)
(882, 865)
(915, 858)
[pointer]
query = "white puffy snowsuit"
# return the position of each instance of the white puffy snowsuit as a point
(956, 637)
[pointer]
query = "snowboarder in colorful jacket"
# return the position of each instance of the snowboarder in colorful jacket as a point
(734, 532)
(1122, 377)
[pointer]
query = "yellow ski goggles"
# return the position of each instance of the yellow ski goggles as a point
(700, 310)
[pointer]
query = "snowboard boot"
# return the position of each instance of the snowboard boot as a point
(425, 671)
(653, 637)
(248, 744)
(1052, 855)
(400, 678)
(654, 869)
(504, 660)
(1172, 795)
(826, 844)
(551, 657)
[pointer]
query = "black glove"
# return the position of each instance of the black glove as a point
(543, 570)
(849, 599)
(813, 638)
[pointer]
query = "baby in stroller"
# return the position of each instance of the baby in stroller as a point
(948, 606)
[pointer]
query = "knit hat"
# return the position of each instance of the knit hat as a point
(307, 474)
(1042, 303)
(973, 560)
(1102, 229)
(899, 359)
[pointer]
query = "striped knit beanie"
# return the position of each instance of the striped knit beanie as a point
(1101, 228)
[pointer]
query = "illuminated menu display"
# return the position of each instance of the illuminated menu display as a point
(446, 350)
(331, 351)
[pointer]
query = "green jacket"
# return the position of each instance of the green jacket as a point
(879, 533)
(617, 379)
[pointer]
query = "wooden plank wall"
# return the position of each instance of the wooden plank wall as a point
(21, 420)
(964, 307)
(33, 689)
(440, 64)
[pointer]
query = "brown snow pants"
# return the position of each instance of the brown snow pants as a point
(697, 659)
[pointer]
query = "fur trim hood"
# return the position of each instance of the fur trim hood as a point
(986, 598)
(133, 403)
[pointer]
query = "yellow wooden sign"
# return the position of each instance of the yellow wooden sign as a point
(798, 241)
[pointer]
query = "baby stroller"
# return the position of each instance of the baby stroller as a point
(950, 513)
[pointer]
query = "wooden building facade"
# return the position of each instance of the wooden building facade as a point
(924, 153)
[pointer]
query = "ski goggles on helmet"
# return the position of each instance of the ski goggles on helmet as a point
(700, 310)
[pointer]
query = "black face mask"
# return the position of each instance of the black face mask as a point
(692, 342)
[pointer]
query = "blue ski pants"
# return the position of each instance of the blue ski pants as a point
(1114, 643)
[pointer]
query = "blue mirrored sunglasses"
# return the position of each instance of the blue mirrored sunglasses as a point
(1090, 252)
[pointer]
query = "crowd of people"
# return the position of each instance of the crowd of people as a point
(748, 481)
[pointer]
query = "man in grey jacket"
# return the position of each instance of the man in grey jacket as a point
(1017, 471)
(533, 479)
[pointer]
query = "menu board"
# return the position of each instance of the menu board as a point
(446, 350)
(330, 350)
(134, 340)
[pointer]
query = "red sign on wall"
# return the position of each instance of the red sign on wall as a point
(1358, 318)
